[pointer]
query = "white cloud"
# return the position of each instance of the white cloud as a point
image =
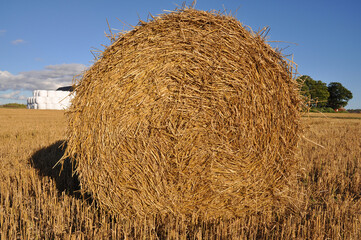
(13, 95)
(18, 41)
(2, 32)
(50, 78)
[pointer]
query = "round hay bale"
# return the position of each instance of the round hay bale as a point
(189, 113)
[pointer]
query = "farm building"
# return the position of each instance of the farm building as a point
(59, 99)
(341, 109)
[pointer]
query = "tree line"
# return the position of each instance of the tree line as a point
(321, 95)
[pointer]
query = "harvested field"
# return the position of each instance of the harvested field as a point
(35, 202)
(334, 115)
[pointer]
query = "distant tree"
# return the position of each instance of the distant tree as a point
(305, 91)
(339, 95)
(316, 91)
(13, 105)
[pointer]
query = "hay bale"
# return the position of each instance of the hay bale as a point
(189, 113)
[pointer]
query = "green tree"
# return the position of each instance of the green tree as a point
(339, 95)
(316, 91)
(305, 91)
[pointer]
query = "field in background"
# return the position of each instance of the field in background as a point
(334, 115)
(39, 201)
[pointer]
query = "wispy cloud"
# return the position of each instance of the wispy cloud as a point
(50, 78)
(13, 95)
(17, 41)
(2, 32)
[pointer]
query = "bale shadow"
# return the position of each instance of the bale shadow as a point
(45, 160)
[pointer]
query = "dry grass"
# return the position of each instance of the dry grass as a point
(35, 202)
(189, 115)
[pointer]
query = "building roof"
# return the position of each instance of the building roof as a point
(67, 88)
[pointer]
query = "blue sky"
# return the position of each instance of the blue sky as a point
(44, 43)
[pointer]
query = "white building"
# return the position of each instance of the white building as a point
(50, 99)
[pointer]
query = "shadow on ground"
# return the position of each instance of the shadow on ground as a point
(45, 159)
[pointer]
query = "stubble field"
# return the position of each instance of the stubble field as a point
(38, 201)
